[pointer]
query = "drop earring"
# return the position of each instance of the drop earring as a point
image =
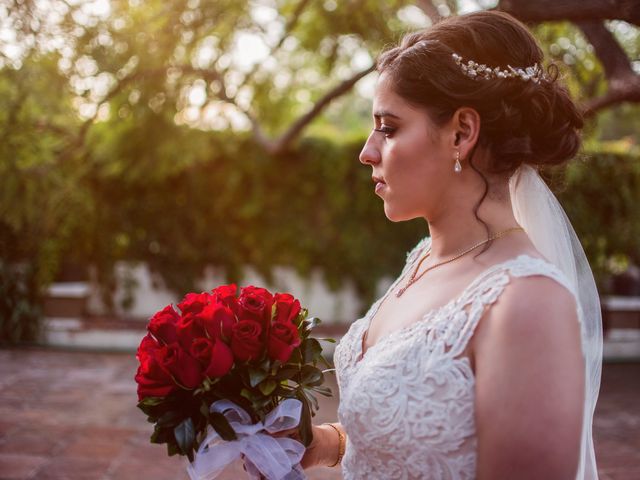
(457, 167)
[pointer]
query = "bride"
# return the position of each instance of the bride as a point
(483, 358)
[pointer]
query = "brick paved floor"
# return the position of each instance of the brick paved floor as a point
(71, 415)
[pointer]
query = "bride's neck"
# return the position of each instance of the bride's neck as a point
(456, 231)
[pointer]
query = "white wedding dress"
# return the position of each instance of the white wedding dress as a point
(407, 405)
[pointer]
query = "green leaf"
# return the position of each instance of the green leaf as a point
(330, 340)
(150, 405)
(314, 402)
(268, 386)
(265, 364)
(275, 366)
(172, 449)
(326, 391)
(311, 323)
(256, 376)
(260, 403)
(296, 356)
(221, 425)
(162, 435)
(170, 419)
(311, 350)
(287, 372)
(311, 376)
(246, 393)
(326, 362)
(204, 410)
(151, 401)
(306, 431)
(185, 435)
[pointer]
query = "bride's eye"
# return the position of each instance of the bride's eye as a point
(388, 131)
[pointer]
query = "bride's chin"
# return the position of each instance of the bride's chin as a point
(394, 215)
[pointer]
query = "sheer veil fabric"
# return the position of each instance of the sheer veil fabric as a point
(538, 211)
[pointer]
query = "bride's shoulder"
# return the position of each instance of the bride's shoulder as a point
(539, 270)
(537, 304)
(534, 296)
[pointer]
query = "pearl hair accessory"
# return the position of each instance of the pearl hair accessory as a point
(477, 71)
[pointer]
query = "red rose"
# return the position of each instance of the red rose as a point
(217, 320)
(163, 325)
(189, 328)
(287, 308)
(283, 340)
(255, 304)
(226, 294)
(147, 345)
(214, 356)
(194, 302)
(185, 369)
(152, 379)
(246, 343)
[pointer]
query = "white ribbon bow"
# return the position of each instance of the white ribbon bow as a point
(274, 458)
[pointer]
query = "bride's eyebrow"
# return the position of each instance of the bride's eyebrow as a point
(384, 113)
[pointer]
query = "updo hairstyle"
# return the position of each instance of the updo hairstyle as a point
(521, 121)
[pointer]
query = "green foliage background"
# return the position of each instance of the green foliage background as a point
(136, 181)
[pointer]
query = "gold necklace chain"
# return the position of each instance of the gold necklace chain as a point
(414, 279)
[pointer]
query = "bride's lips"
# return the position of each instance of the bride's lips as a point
(380, 183)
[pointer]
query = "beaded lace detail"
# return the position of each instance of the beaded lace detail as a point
(407, 405)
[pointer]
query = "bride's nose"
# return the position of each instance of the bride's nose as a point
(370, 154)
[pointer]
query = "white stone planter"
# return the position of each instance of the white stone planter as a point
(67, 299)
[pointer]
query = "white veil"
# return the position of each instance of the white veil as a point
(538, 211)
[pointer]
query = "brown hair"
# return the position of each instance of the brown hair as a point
(521, 121)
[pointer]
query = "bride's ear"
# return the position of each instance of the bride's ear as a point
(466, 125)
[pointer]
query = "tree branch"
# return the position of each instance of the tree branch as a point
(572, 10)
(613, 58)
(214, 76)
(296, 128)
(628, 93)
(623, 82)
(429, 10)
(588, 15)
(290, 25)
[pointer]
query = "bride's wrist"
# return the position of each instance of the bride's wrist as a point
(334, 444)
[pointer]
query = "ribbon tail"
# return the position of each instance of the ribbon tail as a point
(252, 470)
(285, 416)
(210, 462)
(267, 455)
(297, 473)
(293, 449)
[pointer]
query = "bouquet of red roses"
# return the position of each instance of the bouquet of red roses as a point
(222, 373)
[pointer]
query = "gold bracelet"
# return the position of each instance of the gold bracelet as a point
(341, 443)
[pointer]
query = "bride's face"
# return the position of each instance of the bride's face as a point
(413, 157)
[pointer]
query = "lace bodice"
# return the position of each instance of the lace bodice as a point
(408, 404)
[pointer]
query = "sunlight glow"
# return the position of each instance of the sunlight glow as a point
(414, 17)
(198, 94)
(248, 50)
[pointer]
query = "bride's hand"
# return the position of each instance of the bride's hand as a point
(317, 453)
